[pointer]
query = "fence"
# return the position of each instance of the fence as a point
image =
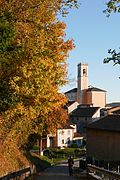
(95, 172)
(21, 174)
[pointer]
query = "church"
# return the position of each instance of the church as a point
(85, 94)
(84, 102)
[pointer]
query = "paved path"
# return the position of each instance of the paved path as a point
(59, 172)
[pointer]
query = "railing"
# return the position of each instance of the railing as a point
(101, 173)
(21, 174)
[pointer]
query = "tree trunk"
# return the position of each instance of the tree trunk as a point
(40, 145)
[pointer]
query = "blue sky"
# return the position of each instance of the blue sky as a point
(93, 34)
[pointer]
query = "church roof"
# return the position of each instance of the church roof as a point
(74, 90)
(108, 123)
(71, 91)
(81, 111)
(95, 89)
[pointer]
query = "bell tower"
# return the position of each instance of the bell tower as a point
(82, 85)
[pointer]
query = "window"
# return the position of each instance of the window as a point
(62, 141)
(68, 132)
(84, 72)
(77, 118)
(68, 140)
(59, 132)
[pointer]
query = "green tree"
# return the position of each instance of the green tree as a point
(115, 57)
(112, 6)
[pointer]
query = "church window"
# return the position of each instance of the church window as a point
(68, 132)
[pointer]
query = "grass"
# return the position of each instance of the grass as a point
(43, 162)
(40, 162)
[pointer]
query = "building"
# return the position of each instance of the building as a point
(84, 104)
(71, 95)
(85, 94)
(82, 116)
(114, 110)
(65, 137)
(71, 106)
(103, 139)
(82, 83)
(113, 104)
(110, 110)
(96, 96)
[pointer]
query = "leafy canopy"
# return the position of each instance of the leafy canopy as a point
(33, 54)
(112, 6)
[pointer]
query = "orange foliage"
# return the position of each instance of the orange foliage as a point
(33, 54)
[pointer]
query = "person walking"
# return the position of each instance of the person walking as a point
(70, 165)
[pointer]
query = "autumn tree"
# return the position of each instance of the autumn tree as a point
(57, 118)
(33, 54)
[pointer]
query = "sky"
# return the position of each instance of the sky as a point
(93, 34)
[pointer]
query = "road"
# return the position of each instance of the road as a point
(60, 172)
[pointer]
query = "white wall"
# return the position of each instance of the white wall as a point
(72, 107)
(63, 135)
